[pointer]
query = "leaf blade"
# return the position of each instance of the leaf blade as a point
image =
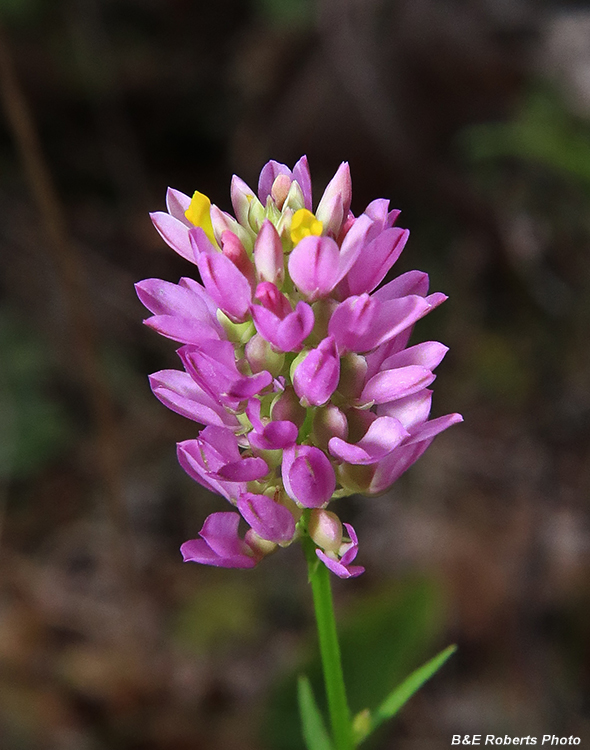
(312, 723)
(404, 691)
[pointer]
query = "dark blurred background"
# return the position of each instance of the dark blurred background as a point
(473, 117)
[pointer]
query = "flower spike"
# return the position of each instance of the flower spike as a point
(296, 360)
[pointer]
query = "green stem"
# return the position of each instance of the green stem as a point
(340, 721)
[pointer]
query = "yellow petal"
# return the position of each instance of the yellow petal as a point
(199, 214)
(304, 224)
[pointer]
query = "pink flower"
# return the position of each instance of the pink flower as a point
(296, 360)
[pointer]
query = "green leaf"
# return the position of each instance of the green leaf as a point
(314, 730)
(383, 637)
(402, 694)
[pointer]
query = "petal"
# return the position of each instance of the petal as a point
(316, 378)
(268, 175)
(220, 531)
(246, 387)
(390, 469)
(353, 244)
(226, 285)
(352, 322)
(268, 254)
(308, 476)
(197, 550)
(338, 568)
(303, 177)
(411, 410)
(428, 354)
(269, 519)
(274, 436)
(353, 546)
(335, 202)
(376, 259)
(295, 328)
(179, 392)
(412, 282)
(218, 444)
(389, 385)
(163, 298)
(177, 203)
(244, 470)
(272, 299)
(382, 437)
(175, 233)
(183, 330)
(314, 265)
(428, 430)
(241, 196)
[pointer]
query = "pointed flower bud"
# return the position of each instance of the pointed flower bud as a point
(280, 189)
(268, 255)
(261, 356)
(335, 202)
(328, 423)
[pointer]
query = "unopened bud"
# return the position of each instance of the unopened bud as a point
(261, 356)
(295, 199)
(353, 372)
(287, 407)
(325, 529)
(328, 422)
(335, 202)
(268, 254)
(242, 197)
(256, 215)
(280, 189)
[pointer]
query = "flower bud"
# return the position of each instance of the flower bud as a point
(325, 529)
(353, 373)
(256, 215)
(295, 199)
(335, 202)
(286, 407)
(280, 189)
(242, 198)
(328, 422)
(261, 356)
(268, 254)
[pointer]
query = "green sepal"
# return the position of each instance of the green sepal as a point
(313, 728)
(401, 695)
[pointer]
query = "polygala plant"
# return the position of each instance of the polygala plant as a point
(297, 363)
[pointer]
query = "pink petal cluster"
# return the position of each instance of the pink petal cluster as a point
(295, 359)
